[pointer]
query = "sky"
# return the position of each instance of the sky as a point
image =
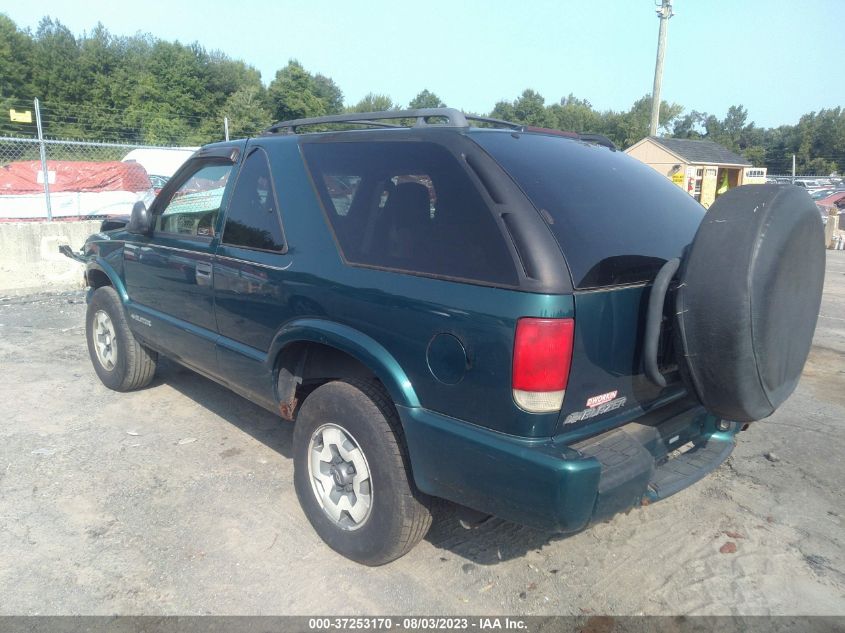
(780, 59)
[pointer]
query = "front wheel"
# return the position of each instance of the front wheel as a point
(121, 362)
(352, 475)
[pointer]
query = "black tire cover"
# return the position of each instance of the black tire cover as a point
(748, 301)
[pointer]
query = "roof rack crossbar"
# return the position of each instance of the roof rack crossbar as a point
(454, 118)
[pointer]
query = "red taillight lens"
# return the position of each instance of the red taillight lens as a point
(541, 358)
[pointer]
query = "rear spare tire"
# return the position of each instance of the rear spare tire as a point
(747, 305)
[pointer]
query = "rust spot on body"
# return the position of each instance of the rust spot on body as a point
(286, 409)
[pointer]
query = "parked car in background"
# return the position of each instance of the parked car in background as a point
(818, 194)
(160, 163)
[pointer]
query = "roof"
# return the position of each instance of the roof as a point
(831, 200)
(700, 152)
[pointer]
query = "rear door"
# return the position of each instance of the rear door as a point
(617, 221)
(169, 274)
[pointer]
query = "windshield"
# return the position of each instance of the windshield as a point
(616, 219)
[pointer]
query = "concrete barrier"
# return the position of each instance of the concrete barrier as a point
(30, 260)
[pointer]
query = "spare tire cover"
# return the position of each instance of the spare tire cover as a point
(748, 301)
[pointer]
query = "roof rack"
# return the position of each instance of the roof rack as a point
(446, 117)
(454, 118)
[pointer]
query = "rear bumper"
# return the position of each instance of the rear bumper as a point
(550, 485)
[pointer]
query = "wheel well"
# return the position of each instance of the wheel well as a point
(303, 366)
(97, 278)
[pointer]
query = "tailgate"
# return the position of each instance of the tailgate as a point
(607, 385)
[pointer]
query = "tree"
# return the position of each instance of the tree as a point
(575, 114)
(529, 108)
(329, 94)
(690, 125)
(373, 102)
(426, 99)
(634, 124)
(247, 112)
(294, 94)
(142, 89)
(16, 50)
(55, 63)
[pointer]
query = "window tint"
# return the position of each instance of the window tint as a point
(408, 206)
(617, 220)
(194, 207)
(252, 220)
(341, 191)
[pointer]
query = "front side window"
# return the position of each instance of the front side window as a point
(252, 220)
(194, 207)
(408, 206)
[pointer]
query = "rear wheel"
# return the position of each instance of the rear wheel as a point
(121, 362)
(352, 475)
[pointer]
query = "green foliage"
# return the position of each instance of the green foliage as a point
(329, 93)
(144, 90)
(373, 102)
(578, 115)
(247, 112)
(530, 108)
(818, 140)
(135, 89)
(15, 53)
(297, 94)
(426, 99)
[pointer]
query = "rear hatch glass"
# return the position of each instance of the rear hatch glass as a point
(616, 219)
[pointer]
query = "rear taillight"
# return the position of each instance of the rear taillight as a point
(542, 353)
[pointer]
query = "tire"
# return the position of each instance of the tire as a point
(393, 515)
(125, 364)
(748, 301)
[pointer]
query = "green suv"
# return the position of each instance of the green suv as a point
(525, 322)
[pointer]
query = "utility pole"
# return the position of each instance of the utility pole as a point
(664, 13)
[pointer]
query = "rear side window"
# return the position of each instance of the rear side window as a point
(252, 220)
(616, 219)
(408, 206)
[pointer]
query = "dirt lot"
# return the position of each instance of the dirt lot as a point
(179, 500)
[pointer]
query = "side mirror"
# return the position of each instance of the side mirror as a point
(140, 221)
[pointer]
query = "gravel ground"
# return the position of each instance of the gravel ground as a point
(179, 500)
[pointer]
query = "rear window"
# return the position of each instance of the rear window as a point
(408, 206)
(616, 219)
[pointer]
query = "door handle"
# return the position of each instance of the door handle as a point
(203, 273)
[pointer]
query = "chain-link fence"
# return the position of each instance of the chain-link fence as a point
(50, 178)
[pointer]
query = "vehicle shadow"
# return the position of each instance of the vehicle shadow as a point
(264, 426)
(491, 542)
